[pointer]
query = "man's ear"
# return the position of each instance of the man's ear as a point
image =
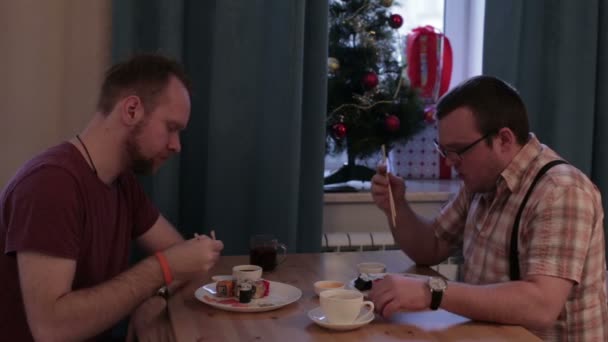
(507, 139)
(132, 110)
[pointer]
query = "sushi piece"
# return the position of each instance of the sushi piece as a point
(365, 280)
(363, 284)
(225, 288)
(245, 290)
(261, 288)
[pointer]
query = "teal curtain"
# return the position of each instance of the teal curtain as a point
(554, 52)
(252, 155)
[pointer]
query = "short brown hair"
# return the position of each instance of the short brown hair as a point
(495, 104)
(144, 75)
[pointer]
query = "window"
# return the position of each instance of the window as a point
(460, 20)
(417, 13)
(464, 27)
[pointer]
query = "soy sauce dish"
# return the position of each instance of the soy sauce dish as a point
(323, 285)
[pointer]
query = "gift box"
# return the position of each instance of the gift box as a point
(418, 158)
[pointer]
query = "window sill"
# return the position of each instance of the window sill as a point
(418, 190)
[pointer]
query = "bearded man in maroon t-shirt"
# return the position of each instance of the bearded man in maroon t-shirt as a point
(67, 218)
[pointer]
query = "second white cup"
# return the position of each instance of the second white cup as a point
(246, 272)
(343, 306)
(371, 267)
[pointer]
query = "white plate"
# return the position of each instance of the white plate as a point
(279, 295)
(317, 316)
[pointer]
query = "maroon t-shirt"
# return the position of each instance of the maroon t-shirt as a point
(56, 205)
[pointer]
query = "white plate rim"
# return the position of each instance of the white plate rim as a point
(337, 326)
(203, 291)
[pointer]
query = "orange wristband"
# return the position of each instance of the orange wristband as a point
(164, 265)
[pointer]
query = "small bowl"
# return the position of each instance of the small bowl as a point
(323, 285)
(246, 272)
(371, 267)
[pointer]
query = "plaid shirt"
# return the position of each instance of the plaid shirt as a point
(561, 234)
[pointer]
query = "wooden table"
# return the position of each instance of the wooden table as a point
(193, 320)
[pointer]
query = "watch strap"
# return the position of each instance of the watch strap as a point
(436, 297)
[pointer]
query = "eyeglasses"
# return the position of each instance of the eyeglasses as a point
(456, 156)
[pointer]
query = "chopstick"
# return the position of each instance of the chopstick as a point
(390, 190)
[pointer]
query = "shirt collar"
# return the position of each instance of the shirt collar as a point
(514, 172)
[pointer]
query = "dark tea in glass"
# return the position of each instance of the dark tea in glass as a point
(264, 252)
(265, 257)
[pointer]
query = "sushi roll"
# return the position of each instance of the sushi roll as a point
(225, 288)
(245, 290)
(362, 283)
(365, 280)
(261, 288)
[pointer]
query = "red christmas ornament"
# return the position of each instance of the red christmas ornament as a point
(392, 123)
(370, 80)
(395, 21)
(338, 131)
(429, 114)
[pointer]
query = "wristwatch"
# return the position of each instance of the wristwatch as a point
(437, 286)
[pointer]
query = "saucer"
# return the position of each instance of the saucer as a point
(317, 316)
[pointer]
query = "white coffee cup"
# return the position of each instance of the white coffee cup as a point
(246, 272)
(342, 306)
(371, 267)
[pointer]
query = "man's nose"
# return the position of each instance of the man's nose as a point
(450, 163)
(174, 144)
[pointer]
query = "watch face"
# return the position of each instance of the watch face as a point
(437, 284)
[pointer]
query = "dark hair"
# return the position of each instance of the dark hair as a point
(494, 103)
(144, 75)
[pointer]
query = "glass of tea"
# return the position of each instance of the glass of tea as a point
(264, 250)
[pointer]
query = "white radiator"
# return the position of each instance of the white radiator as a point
(345, 241)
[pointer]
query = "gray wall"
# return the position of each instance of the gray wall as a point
(53, 57)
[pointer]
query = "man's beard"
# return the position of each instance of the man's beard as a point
(139, 163)
(142, 166)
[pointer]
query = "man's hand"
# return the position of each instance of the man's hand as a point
(194, 256)
(380, 192)
(397, 293)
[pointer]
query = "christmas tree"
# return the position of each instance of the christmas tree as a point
(370, 103)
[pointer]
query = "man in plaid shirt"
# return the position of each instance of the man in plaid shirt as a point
(483, 132)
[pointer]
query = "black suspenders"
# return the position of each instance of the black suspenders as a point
(514, 254)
